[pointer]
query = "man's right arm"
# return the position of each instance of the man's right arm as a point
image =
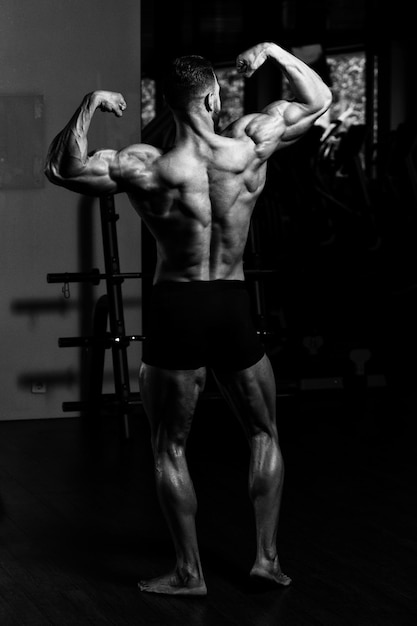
(284, 121)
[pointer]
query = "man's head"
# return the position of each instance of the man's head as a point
(190, 82)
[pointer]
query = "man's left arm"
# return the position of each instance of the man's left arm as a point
(68, 163)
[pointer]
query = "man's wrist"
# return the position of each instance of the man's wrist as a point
(92, 100)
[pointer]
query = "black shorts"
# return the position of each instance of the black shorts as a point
(201, 323)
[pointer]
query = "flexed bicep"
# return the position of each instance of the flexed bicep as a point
(69, 164)
(94, 177)
(284, 121)
(292, 120)
(111, 171)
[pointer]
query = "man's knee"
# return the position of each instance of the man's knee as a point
(169, 452)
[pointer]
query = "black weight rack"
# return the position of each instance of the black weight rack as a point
(108, 327)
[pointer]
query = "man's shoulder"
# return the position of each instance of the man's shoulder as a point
(237, 128)
(262, 130)
(140, 152)
(137, 159)
(135, 165)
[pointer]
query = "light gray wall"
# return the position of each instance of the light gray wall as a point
(61, 50)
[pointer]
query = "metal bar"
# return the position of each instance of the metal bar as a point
(107, 340)
(115, 301)
(93, 277)
(106, 401)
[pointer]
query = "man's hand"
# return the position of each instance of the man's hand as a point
(249, 61)
(110, 102)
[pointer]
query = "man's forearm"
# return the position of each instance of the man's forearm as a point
(68, 152)
(307, 86)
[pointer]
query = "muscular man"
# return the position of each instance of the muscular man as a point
(197, 200)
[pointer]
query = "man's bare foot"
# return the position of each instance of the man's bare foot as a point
(174, 584)
(270, 571)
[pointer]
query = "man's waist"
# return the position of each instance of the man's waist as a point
(199, 285)
(198, 275)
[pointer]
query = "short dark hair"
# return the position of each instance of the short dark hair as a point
(187, 78)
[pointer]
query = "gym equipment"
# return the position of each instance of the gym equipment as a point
(108, 311)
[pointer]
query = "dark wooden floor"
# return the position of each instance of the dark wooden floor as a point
(80, 523)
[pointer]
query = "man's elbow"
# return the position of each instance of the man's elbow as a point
(51, 171)
(327, 98)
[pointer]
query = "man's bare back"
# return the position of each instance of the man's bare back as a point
(199, 200)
